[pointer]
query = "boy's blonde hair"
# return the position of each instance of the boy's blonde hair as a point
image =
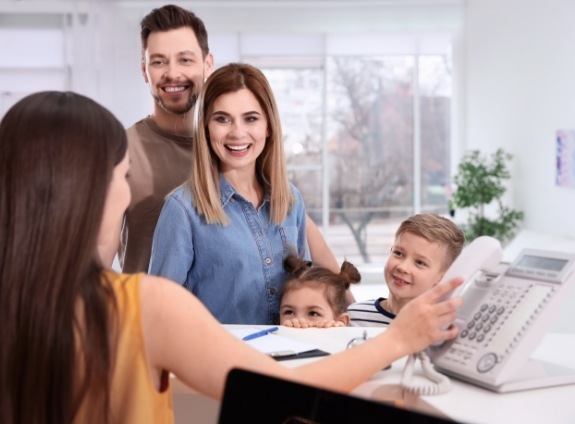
(436, 229)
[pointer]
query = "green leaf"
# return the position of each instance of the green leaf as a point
(480, 181)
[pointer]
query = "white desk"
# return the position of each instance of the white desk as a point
(465, 402)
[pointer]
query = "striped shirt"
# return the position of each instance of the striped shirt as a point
(369, 314)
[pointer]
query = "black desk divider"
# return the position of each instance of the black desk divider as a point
(252, 398)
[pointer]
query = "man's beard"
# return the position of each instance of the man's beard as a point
(177, 109)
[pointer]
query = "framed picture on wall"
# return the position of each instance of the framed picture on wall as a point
(565, 158)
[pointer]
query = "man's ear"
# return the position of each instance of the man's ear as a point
(208, 65)
(143, 69)
(344, 318)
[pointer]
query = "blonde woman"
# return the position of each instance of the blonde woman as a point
(225, 233)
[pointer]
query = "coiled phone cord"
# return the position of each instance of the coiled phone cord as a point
(438, 384)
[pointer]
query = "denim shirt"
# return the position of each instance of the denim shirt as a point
(235, 270)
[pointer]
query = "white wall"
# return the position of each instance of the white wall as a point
(519, 89)
(519, 82)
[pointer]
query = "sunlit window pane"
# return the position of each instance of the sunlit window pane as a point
(298, 93)
(370, 116)
(435, 91)
(362, 129)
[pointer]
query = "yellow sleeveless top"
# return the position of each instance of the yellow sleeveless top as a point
(133, 397)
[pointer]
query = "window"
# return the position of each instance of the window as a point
(367, 141)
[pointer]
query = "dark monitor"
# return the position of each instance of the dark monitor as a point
(250, 397)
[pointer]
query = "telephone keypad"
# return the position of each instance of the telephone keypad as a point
(502, 315)
(488, 326)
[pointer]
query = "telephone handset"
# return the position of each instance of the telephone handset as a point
(507, 310)
(473, 263)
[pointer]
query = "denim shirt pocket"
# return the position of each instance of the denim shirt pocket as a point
(289, 235)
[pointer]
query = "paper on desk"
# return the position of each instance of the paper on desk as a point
(272, 343)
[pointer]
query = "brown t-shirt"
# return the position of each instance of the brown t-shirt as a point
(159, 162)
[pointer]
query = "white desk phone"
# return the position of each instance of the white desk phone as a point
(507, 309)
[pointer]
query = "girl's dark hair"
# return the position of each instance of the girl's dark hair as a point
(302, 273)
(58, 151)
(170, 17)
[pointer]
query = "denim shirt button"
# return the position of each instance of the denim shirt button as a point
(272, 291)
(268, 261)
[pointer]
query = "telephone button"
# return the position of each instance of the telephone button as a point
(472, 335)
(479, 326)
(485, 318)
(493, 320)
(480, 337)
(500, 310)
(486, 328)
(470, 325)
(492, 309)
(484, 307)
(487, 362)
(464, 333)
(477, 315)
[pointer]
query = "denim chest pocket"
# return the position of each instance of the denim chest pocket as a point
(289, 236)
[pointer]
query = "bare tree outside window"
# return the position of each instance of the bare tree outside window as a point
(435, 86)
(369, 141)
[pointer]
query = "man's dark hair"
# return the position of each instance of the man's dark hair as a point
(170, 17)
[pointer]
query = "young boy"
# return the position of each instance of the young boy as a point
(425, 246)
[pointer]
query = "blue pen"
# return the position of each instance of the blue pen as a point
(260, 333)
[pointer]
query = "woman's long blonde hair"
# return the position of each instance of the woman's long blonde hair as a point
(270, 165)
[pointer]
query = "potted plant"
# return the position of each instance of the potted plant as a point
(480, 182)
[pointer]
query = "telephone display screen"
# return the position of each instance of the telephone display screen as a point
(540, 262)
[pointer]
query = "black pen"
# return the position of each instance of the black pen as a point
(260, 333)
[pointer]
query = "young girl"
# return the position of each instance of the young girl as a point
(314, 296)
